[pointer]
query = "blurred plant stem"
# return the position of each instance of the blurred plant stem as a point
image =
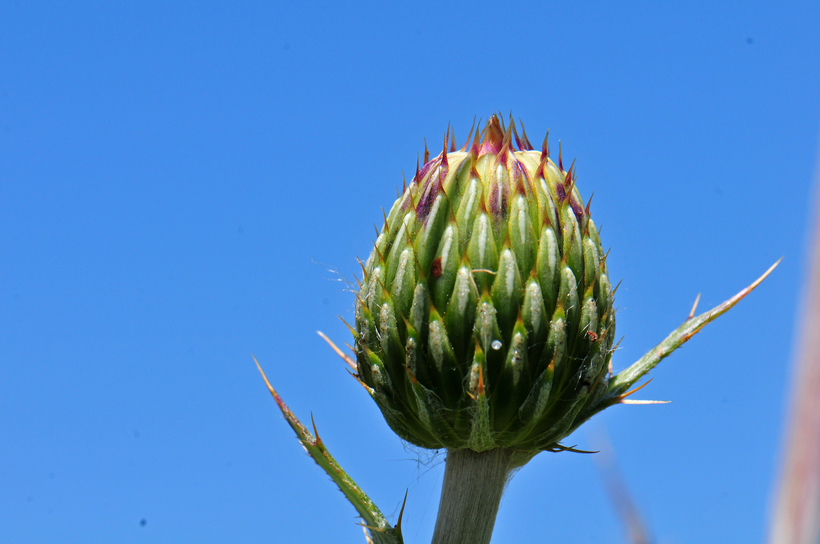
(797, 504)
(637, 531)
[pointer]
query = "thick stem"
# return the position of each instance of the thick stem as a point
(473, 485)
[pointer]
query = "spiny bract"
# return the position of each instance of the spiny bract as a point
(485, 316)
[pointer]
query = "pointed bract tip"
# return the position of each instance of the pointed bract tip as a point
(367, 388)
(475, 147)
(364, 270)
(262, 372)
(512, 134)
(508, 134)
(694, 307)
(560, 158)
(545, 147)
(367, 538)
(765, 274)
(586, 209)
(518, 142)
(569, 180)
(401, 512)
(351, 329)
(524, 139)
(316, 440)
(728, 304)
(631, 391)
(469, 135)
(368, 527)
(339, 352)
(493, 136)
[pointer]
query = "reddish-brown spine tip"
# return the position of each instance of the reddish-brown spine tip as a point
(316, 440)
(588, 203)
(469, 136)
(515, 133)
(475, 148)
(545, 147)
(349, 326)
(401, 513)
(624, 395)
(364, 270)
(571, 174)
(507, 141)
(378, 252)
(524, 140)
(560, 158)
(568, 179)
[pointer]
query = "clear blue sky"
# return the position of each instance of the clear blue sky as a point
(181, 182)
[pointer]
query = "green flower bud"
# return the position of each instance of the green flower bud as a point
(485, 319)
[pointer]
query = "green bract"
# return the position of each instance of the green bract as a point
(485, 317)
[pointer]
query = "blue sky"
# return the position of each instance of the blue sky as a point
(185, 184)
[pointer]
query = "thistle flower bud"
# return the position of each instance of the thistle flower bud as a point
(484, 319)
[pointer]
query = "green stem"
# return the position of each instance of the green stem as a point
(470, 496)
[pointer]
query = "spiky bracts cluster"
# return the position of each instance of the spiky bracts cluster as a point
(485, 315)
